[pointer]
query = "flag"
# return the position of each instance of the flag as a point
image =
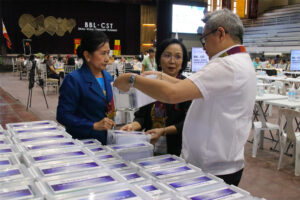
(6, 36)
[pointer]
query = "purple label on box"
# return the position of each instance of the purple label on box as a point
(132, 176)
(155, 162)
(5, 150)
(9, 173)
(69, 167)
(37, 130)
(1, 133)
(51, 145)
(34, 124)
(42, 137)
(76, 184)
(4, 162)
(116, 166)
(149, 188)
(105, 157)
(194, 181)
(215, 195)
(171, 171)
(119, 195)
(89, 142)
(1, 141)
(15, 194)
(128, 146)
(62, 155)
(97, 149)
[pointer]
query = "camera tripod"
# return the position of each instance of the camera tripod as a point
(40, 82)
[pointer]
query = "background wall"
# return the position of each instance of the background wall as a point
(266, 4)
(125, 18)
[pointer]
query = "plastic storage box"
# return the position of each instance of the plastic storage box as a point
(125, 137)
(108, 157)
(96, 149)
(158, 161)
(132, 175)
(54, 168)
(199, 182)
(30, 130)
(4, 140)
(116, 192)
(24, 190)
(15, 172)
(53, 154)
(41, 136)
(133, 151)
(165, 172)
(87, 142)
(226, 192)
(15, 126)
(73, 182)
(118, 165)
(154, 189)
(52, 144)
(8, 149)
(7, 160)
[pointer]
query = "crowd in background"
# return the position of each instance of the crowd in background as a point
(276, 62)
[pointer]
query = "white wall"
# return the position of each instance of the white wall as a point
(189, 40)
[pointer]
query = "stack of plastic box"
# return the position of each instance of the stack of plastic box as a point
(133, 151)
(16, 181)
(125, 137)
(40, 160)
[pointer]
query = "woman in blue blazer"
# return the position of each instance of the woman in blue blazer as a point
(85, 96)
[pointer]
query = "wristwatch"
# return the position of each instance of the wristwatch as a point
(132, 79)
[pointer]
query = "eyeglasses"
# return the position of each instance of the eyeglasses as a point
(168, 56)
(202, 39)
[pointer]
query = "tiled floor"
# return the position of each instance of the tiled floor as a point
(260, 177)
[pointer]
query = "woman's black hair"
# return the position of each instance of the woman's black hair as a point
(163, 45)
(91, 41)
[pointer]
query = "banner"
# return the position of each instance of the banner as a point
(6, 36)
(77, 42)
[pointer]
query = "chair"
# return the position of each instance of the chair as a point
(14, 66)
(69, 68)
(48, 82)
(289, 135)
(259, 128)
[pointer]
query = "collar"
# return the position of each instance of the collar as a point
(228, 52)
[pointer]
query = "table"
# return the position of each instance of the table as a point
(286, 104)
(262, 113)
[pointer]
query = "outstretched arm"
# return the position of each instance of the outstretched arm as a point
(161, 90)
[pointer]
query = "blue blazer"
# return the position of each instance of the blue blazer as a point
(82, 103)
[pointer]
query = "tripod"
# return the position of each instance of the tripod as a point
(31, 84)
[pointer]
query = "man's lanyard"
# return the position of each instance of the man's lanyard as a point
(234, 50)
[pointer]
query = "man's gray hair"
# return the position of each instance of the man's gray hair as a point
(228, 20)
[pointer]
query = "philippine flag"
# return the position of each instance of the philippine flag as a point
(6, 36)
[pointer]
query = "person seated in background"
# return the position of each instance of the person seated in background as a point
(149, 63)
(281, 64)
(51, 72)
(85, 105)
(159, 118)
(20, 62)
(137, 65)
(257, 63)
(288, 65)
(273, 63)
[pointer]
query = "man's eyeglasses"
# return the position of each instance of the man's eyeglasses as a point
(202, 39)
